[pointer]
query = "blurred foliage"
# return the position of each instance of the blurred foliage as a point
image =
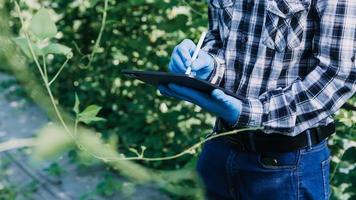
(343, 147)
(140, 34)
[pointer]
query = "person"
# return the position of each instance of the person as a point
(292, 65)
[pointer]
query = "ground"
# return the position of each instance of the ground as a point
(21, 178)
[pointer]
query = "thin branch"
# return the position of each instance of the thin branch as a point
(187, 151)
(17, 143)
(41, 72)
(102, 28)
(45, 67)
(192, 9)
(77, 48)
(76, 125)
(59, 71)
(29, 42)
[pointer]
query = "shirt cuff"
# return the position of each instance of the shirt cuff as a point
(251, 114)
(217, 74)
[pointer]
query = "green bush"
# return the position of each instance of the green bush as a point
(138, 35)
(343, 147)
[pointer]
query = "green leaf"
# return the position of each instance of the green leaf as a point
(42, 26)
(22, 43)
(90, 114)
(92, 119)
(93, 2)
(76, 104)
(55, 48)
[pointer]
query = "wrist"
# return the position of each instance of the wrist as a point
(218, 71)
(212, 67)
(234, 114)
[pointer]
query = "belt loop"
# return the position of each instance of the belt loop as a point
(310, 144)
(252, 141)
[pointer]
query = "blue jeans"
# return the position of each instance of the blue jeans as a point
(231, 174)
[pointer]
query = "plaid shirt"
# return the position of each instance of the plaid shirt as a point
(292, 62)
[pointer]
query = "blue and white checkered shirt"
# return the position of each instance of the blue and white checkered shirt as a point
(292, 62)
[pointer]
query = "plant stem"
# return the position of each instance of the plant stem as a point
(17, 143)
(45, 67)
(192, 9)
(187, 151)
(76, 126)
(59, 71)
(41, 72)
(102, 27)
(29, 42)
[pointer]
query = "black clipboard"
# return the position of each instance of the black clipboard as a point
(164, 78)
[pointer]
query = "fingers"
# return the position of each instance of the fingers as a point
(201, 99)
(176, 65)
(185, 50)
(195, 96)
(204, 60)
(181, 57)
(220, 96)
(164, 90)
(224, 98)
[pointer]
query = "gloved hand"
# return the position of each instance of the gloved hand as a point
(222, 105)
(181, 60)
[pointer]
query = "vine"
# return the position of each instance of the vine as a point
(102, 28)
(89, 114)
(17, 143)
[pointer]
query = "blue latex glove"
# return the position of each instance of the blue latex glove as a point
(222, 105)
(181, 60)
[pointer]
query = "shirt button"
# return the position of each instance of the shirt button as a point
(241, 37)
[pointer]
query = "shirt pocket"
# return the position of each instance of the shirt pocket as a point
(224, 11)
(285, 23)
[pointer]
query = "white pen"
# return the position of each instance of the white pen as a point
(196, 52)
